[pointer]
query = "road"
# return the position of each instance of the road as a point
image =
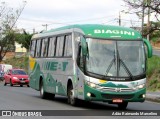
(24, 98)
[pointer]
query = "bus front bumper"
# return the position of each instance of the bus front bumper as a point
(92, 94)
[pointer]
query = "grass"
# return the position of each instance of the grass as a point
(153, 70)
(153, 73)
(18, 62)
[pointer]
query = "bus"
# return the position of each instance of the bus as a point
(90, 62)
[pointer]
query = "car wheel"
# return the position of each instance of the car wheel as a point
(28, 86)
(21, 85)
(5, 83)
(71, 99)
(123, 105)
(11, 83)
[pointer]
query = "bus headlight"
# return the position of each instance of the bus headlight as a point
(141, 86)
(92, 85)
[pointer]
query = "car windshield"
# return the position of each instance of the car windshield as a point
(18, 72)
(115, 58)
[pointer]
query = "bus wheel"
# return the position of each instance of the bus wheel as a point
(71, 99)
(123, 105)
(50, 96)
(43, 94)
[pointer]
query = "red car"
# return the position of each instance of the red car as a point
(16, 77)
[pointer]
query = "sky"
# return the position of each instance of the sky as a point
(56, 13)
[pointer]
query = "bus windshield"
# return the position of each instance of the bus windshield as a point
(115, 58)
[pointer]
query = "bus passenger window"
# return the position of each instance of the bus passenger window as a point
(80, 62)
(32, 50)
(38, 48)
(68, 46)
(44, 47)
(51, 49)
(59, 46)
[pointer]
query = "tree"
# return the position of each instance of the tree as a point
(7, 44)
(149, 7)
(8, 19)
(24, 39)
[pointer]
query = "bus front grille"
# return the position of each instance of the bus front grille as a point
(111, 89)
(110, 96)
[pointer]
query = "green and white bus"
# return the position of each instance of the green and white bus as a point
(90, 62)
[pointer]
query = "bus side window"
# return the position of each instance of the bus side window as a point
(80, 62)
(38, 48)
(32, 49)
(68, 46)
(44, 47)
(51, 49)
(59, 46)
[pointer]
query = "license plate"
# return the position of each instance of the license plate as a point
(117, 100)
(22, 81)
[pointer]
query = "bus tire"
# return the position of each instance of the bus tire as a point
(43, 94)
(51, 96)
(123, 106)
(71, 99)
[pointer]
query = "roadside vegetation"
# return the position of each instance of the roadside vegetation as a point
(18, 62)
(153, 74)
(153, 70)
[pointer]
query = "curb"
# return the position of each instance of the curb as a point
(153, 98)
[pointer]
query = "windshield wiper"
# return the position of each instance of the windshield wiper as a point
(110, 65)
(126, 68)
(123, 64)
(119, 61)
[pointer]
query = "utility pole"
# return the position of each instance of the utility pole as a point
(33, 30)
(120, 18)
(142, 17)
(45, 25)
(148, 24)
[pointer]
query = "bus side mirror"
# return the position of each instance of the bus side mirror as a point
(149, 47)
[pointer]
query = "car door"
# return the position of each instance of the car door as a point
(7, 76)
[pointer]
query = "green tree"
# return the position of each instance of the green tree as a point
(24, 39)
(156, 34)
(7, 44)
(8, 17)
(149, 7)
(153, 30)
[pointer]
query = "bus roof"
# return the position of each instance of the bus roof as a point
(100, 31)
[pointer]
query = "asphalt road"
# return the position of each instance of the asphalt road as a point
(24, 98)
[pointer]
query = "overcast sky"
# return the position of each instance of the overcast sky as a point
(56, 13)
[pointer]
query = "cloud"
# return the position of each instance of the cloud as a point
(58, 9)
(62, 12)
